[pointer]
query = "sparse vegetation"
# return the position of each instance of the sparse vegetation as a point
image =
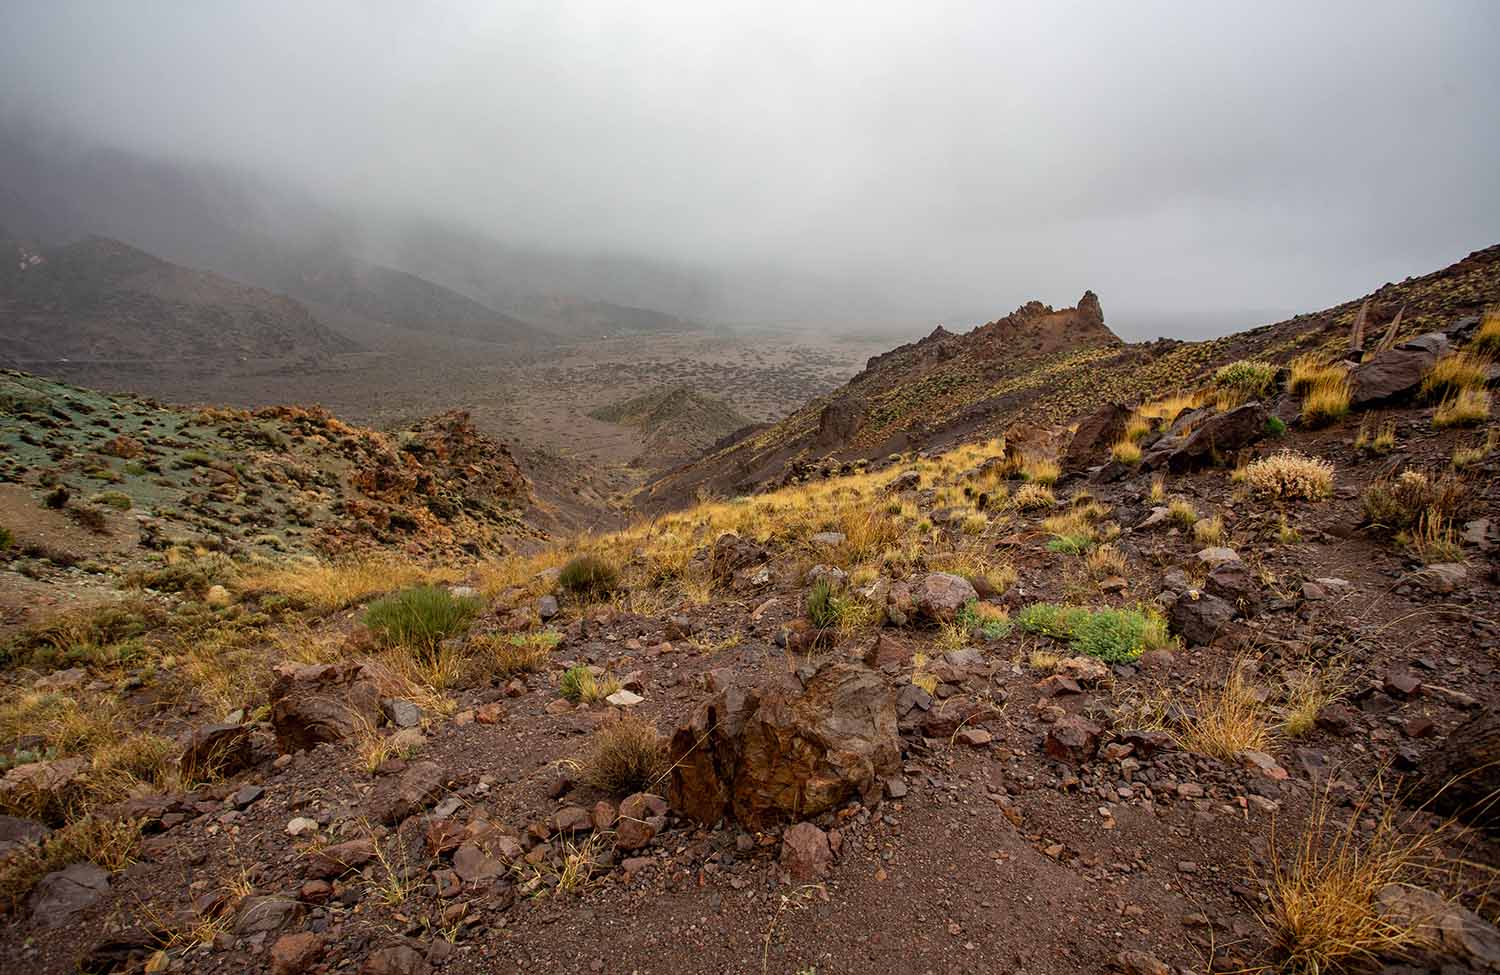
(624, 756)
(509, 654)
(110, 844)
(1290, 475)
(1375, 436)
(579, 684)
(1309, 370)
(1399, 503)
(1466, 408)
(1251, 379)
(1112, 635)
(992, 621)
(1182, 513)
(1326, 401)
(589, 577)
(421, 618)
(1209, 531)
(1227, 719)
(1452, 374)
(1029, 497)
(1487, 339)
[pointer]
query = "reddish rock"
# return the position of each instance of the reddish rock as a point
(1073, 739)
(1096, 433)
(396, 960)
(642, 816)
(293, 954)
(491, 713)
(419, 786)
(216, 751)
(572, 819)
(335, 861)
(805, 852)
(786, 748)
(318, 703)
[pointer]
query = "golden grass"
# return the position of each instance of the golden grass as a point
(111, 844)
(1487, 339)
(1209, 531)
(1326, 400)
(1226, 720)
(1182, 512)
(1168, 408)
(1308, 370)
(1309, 692)
(1466, 408)
(1042, 470)
(509, 654)
(1104, 561)
(624, 756)
(1453, 373)
(1137, 427)
(1031, 496)
(1434, 539)
(1323, 910)
(1158, 491)
(1290, 475)
(1467, 456)
(326, 587)
(1126, 451)
(1375, 436)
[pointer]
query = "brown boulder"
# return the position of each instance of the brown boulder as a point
(396, 960)
(216, 751)
(1391, 376)
(786, 749)
(642, 816)
(417, 788)
(1217, 436)
(1461, 776)
(322, 702)
(1073, 739)
(940, 595)
(293, 954)
(1096, 433)
(805, 852)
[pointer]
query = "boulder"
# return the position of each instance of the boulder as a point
(731, 554)
(1392, 376)
(293, 954)
(805, 852)
(334, 861)
(396, 960)
(1215, 437)
(42, 786)
(1073, 739)
(265, 913)
(1455, 930)
(1461, 776)
(1096, 433)
(1198, 617)
(59, 896)
(418, 787)
(1234, 583)
(642, 816)
(787, 749)
(311, 704)
(939, 596)
(216, 751)
(16, 832)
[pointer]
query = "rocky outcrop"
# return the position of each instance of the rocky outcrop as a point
(787, 750)
(1461, 777)
(1096, 433)
(1215, 437)
(322, 702)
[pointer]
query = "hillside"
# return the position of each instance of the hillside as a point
(950, 715)
(1035, 370)
(102, 301)
(678, 423)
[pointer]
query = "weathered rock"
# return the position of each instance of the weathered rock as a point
(1461, 776)
(889, 650)
(1141, 963)
(215, 751)
(940, 595)
(786, 750)
(395, 960)
(1443, 577)
(1096, 433)
(474, 866)
(1084, 670)
(1234, 583)
(624, 699)
(265, 913)
(62, 894)
(1456, 930)
(731, 554)
(1390, 377)
(322, 703)
(572, 819)
(1073, 739)
(418, 787)
(835, 577)
(642, 816)
(547, 608)
(38, 786)
(335, 861)
(1218, 435)
(401, 713)
(293, 954)
(16, 832)
(805, 852)
(1198, 617)
(827, 539)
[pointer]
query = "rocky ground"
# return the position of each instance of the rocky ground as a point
(973, 711)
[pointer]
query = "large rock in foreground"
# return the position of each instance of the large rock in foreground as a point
(322, 702)
(787, 750)
(1461, 776)
(1096, 434)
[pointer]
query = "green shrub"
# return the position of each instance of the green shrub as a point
(1275, 427)
(992, 625)
(6, 539)
(824, 606)
(578, 683)
(118, 500)
(1070, 544)
(1254, 379)
(420, 618)
(1111, 635)
(589, 577)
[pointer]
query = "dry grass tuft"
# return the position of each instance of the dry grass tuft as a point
(1375, 436)
(624, 756)
(508, 654)
(1487, 339)
(1227, 720)
(1042, 470)
(1031, 496)
(1454, 373)
(1290, 475)
(1466, 408)
(1126, 451)
(1105, 561)
(1324, 910)
(1326, 401)
(1182, 512)
(1310, 691)
(326, 587)
(1209, 531)
(110, 844)
(1308, 370)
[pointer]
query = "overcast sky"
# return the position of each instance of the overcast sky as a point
(1197, 164)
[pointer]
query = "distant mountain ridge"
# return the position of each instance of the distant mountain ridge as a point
(102, 300)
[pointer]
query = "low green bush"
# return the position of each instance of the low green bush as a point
(420, 618)
(589, 577)
(1255, 379)
(1111, 635)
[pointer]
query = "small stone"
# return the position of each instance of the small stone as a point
(401, 713)
(547, 608)
(491, 713)
(624, 699)
(805, 852)
(293, 954)
(300, 825)
(974, 737)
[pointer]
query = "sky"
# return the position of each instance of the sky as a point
(1201, 166)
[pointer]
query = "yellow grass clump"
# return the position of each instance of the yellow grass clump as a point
(1308, 370)
(1453, 373)
(1290, 475)
(325, 586)
(1326, 400)
(1466, 408)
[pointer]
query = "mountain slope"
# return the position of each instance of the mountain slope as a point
(100, 300)
(1039, 368)
(678, 423)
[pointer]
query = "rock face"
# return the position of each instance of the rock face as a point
(1095, 434)
(1395, 375)
(1199, 617)
(322, 702)
(787, 750)
(63, 894)
(1221, 434)
(1462, 775)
